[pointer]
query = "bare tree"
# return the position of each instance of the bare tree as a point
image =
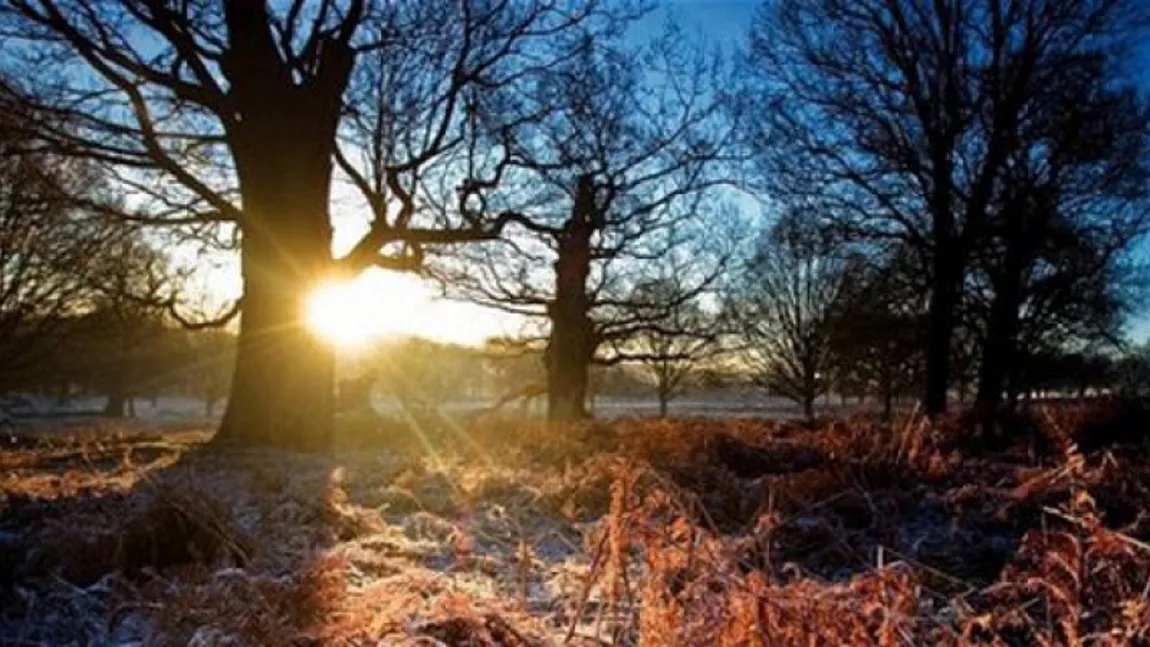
(124, 330)
(787, 304)
(230, 115)
(676, 342)
(1074, 199)
(877, 335)
(900, 118)
(615, 179)
(47, 249)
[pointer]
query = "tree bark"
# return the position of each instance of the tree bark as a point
(282, 144)
(664, 397)
(116, 405)
(943, 305)
(809, 407)
(568, 367)
(284, 374)
(571, 345)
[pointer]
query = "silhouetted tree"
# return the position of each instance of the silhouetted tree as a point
(877, 334)
(787, 306)
(901, 118)
(1074, 197)
(1131, 372)
(614, 180)
(47, 253)
(676, 343)
(232, 115)
(125, 339)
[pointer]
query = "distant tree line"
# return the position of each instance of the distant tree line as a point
(949, 194)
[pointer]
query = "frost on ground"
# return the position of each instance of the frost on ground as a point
(662, 533)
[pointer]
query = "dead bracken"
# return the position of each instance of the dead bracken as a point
(727, 532)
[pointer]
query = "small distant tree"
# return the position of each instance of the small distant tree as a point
(421, 372)
(1131, 371)
(787, 307)
(877, 337)
(672, 347)
(48, 252)
(213, 353)
(124, 333)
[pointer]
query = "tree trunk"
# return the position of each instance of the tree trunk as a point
(943, 304)
(284, 374)
(282, 143)
(116, 406)
(809, 407)
(886, 389)
(999, 352)
(664, 398)
(571, 346)
(567, 371)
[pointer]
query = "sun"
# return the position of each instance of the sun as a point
(353, 314)
(344, 314)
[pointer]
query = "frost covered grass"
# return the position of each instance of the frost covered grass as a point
(731, 532)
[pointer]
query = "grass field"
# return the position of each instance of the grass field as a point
(686, 532)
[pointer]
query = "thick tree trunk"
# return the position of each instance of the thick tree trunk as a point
(116, 405)
(282, 143)
(571, 346)
(283, 377)
(664, 399)
(567, 371)
(943, 306)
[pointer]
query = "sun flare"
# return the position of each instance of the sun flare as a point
(354, 314)
(345, 313)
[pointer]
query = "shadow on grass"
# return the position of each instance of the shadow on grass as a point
(158, 540)
(146, 539)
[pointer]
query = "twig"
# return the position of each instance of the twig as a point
(596, 563)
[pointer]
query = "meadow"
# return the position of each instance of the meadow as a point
(630, 532)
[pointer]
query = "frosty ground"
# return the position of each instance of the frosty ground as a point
(501, 532)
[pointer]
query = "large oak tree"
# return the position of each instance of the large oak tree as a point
(218, 114)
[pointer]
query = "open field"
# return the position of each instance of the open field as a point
(687, 532)
(47, 412)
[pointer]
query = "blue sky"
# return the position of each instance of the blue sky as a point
(722, 23)
(727, 23)
(722, 20)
